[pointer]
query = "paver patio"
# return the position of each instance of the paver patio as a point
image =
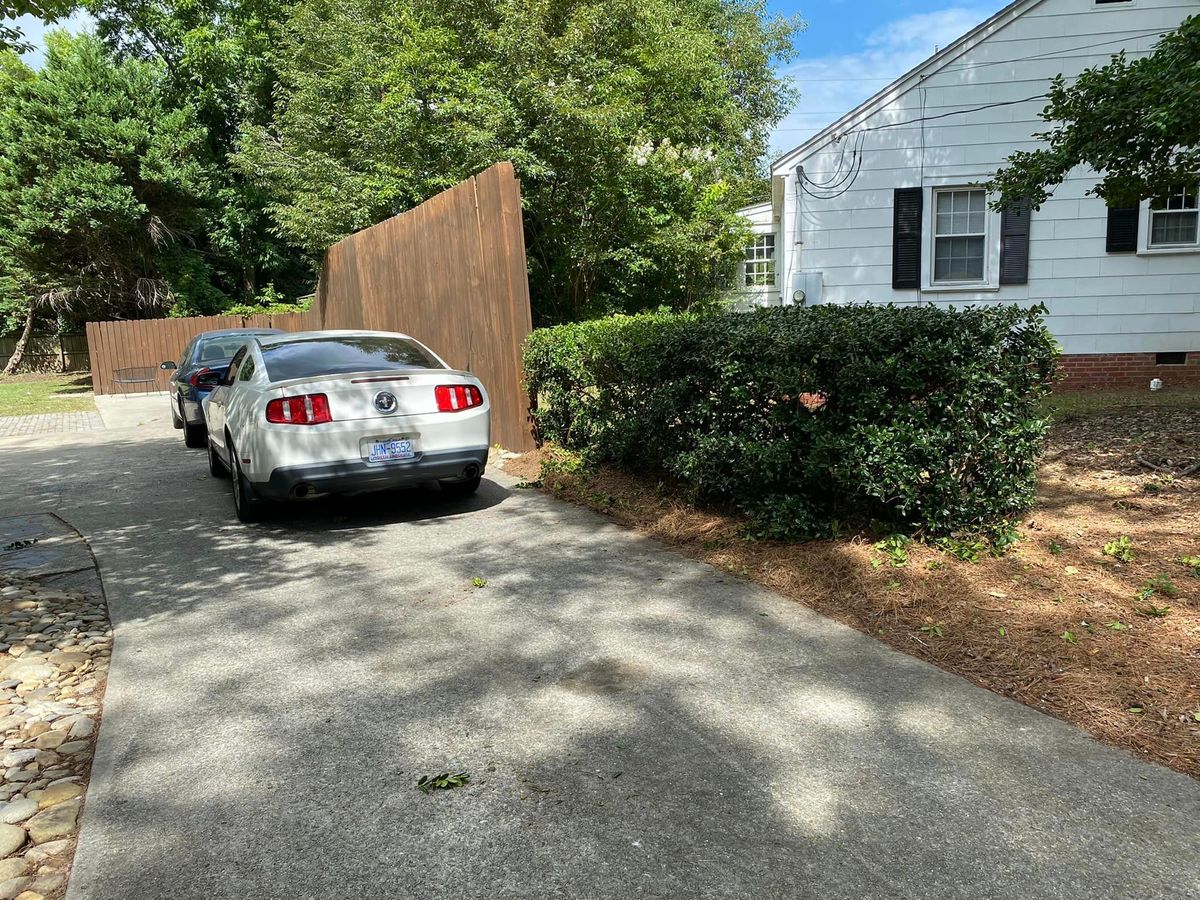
(49, 423)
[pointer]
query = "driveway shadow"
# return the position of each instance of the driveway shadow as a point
(634, 724)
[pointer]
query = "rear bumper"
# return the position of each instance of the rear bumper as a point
(359, 476)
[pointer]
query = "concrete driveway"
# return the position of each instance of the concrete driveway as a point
(635, 724)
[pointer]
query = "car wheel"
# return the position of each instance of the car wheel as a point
(176, 419)
(194, 436)
(247, 506)
(216, 465)
(459, 489)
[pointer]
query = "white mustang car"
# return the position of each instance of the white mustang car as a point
(300, 415)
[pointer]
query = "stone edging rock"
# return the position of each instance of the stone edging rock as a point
(55, 644)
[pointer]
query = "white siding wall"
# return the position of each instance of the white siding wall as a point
(762, 221)
(1098, 302)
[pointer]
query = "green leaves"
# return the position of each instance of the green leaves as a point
(108, 188)
(1159, 584)
(1132, 120)
(429, 783)
(636, 127)
(1120, 549)
(893, 547)
(930, 424)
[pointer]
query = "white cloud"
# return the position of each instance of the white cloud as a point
(831, 86)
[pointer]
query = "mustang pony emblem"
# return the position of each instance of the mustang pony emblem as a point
(385, 402)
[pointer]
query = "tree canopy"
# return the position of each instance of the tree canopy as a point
(215, 59)
(11, 37)
(636, 126)
(1135, 122)
(197, 155)
(100, 187)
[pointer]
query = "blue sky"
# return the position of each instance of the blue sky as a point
(850, 49)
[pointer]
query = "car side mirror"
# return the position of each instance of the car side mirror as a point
(168, 366)
(208, 380)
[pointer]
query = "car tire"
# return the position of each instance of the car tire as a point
(216, 465)
(246, 504)
(176, 419)
(456, 490)
(194, 436)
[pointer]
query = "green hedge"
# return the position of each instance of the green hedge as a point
(920, 417)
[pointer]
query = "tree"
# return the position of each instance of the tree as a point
(636, 127)
(102, 191)
(1136, 123)
(215, 59)
(11, 37)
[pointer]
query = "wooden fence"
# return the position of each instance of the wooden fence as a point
(48, 353)
(450, 272)
(116, 348)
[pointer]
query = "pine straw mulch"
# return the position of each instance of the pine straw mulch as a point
(1054, 623)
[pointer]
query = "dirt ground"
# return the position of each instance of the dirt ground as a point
(1108, 642)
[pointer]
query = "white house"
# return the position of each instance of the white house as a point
(885, 204)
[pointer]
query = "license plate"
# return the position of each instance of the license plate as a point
(383, 451)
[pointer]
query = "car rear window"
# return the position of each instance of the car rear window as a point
(315, 357)
(221, 349)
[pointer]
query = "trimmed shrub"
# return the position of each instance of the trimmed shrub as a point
(921, 417)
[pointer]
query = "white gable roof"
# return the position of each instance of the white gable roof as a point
(905, 82)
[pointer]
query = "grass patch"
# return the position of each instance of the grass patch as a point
(27, 395)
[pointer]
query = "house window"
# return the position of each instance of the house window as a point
(1170, 359)
(1175, 218)
(760, 262)
(959, 235)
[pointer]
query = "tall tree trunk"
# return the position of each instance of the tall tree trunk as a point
(19, 351)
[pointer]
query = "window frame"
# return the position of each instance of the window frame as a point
(1145, 248)
(1146, 228)
(991, 240)
(772, 260)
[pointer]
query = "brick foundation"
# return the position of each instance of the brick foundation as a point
(1108, 371)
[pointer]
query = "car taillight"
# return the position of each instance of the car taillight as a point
(306, 409)
(457, 397)
(194, 381)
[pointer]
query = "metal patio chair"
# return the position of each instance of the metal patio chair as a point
(136, 375)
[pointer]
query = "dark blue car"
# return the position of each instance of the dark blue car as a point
(198, 371)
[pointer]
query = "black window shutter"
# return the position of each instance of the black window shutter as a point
(1122, 229)
(906, 237)
(1014, 243)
